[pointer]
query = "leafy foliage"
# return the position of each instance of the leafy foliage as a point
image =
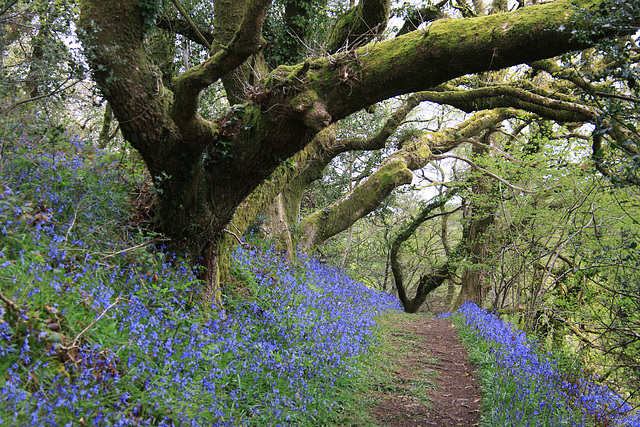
(291, 28)
(149, 11)
(611, 76)
(37, 62)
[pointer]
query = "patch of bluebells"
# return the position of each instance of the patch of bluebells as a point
(528, 389)
(271, 358)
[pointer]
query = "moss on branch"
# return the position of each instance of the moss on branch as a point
(447, 49)
(359, 25)
(365, 198)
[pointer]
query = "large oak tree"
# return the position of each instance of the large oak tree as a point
(204, 169)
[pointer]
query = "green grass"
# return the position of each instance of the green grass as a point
(378, 374)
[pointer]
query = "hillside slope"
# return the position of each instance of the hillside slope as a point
(101, 326)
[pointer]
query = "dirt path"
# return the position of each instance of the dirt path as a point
(431, 383)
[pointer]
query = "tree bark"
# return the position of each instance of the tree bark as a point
(226, 22)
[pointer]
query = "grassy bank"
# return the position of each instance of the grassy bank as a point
(524, 387)
(101, 326)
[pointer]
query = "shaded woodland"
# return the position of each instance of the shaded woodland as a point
(441, 152)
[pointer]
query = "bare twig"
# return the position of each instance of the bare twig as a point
(61, 88)
(236, 236)
(617, 96)
(73, 221)
(479, 144)
(486, 172)
(123, 250)
(12, 305)
(75, 340)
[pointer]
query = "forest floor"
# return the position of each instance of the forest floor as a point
(430, 381)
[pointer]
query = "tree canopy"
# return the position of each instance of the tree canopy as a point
(204, 168)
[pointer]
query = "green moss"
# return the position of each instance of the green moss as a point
(288, 70)
(167, 100)
(465, 44)
(323, 224)
(342, 29)
(393, 172)
(252, 121)
(422, 149)
(283, 73)
(304, 100)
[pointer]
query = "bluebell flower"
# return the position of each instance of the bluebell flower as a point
(542, 396)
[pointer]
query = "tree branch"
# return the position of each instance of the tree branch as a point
(181, 26)
(394, 172)
(310, 162)
(247, 41)
(59, 89)
(412, 305)
(447, 49)
(499, 96)
(617, 96)
(419, 16)
(484, 171)
(359, 25)
(192, 25)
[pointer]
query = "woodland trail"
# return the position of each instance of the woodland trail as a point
(430, 382)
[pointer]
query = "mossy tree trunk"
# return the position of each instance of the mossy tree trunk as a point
(203, 170)
(227, 20)
(280, 227)
(446, 245)
(38, 46)
(106, 135)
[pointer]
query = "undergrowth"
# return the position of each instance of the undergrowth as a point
(101, 327)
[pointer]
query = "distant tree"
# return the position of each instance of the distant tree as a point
(38, 70)
(35, 61)
(427, 281)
